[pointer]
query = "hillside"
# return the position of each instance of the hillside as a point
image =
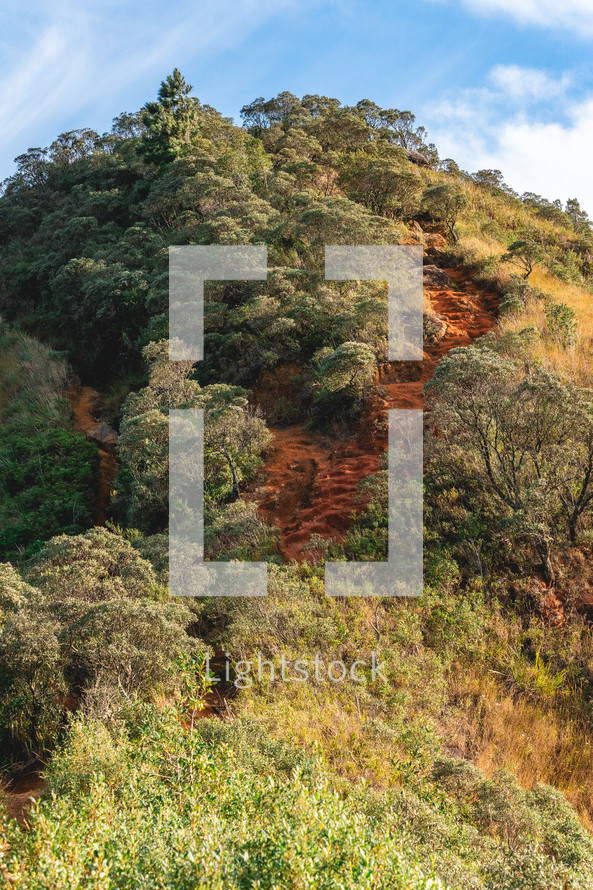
(464, 760)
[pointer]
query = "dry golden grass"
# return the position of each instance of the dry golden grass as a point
(536, 740)
(531, 739)
(576, 362)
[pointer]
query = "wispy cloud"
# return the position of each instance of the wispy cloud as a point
(509, 125)
(81, 55)
(575, 15)
(521, 84)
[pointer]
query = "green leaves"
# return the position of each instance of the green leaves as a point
(524, 253)
(526, 437)
(445, 203)
(48, 485)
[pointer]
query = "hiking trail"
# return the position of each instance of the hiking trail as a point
(309, 482)
(83, 401)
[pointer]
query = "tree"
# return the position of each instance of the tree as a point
(234, 438)
(341, 377)
(445, 203)
(73, 146)
(233, 434)
(493, 181)
(527, 439)
(128, 125)
(381, 183)
(91, 568)
(130, 645)
(285, 110)
(32, 168)
(32, 683)
(578, 217)
(235, 531)
(142, 484)
(170, 121)
(551, 210)
(101, 307)
(333, 221)
(394, 126)
(339, 129)
(524, 253)
(348, 367)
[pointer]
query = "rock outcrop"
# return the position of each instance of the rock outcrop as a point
(417, 158)
(435, 327)
(435, 277)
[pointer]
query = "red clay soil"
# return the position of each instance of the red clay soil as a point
(18, 795)
(309, 483)
(83, 400)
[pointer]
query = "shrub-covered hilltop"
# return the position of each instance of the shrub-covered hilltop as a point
(457, 751)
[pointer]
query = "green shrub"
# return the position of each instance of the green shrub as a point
(561, 323)
(517, 294)
(32, 684)
(157, 807)
(98, 565)
(48, 486)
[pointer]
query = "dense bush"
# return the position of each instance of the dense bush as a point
(48, 485)
(90, 568)
(48, 473)
(91, 620)
(235, 436)
(149, 804)
(223, 808)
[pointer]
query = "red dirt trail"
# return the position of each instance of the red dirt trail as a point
(309, 483)
(83, 401)
(20, 793)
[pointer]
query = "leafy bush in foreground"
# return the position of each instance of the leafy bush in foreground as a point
(153, 806)
(149, 804)
(95, 622)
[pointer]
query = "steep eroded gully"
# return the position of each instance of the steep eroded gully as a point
(309, 483)
(83, 401)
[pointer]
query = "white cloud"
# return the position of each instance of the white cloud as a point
(502, 126)
(528, 84)
(576, 15)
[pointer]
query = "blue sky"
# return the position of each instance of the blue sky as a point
(497, 83)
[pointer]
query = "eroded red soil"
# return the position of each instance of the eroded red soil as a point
(309, 484)
(83, 401)
(20, 793)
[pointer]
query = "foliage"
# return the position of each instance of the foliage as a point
(517, 294)
(561, 323)
(342, 376)
(445, 202)
(141, 792)
(48, 485)
(235, 531)
(529, 439)
(91, 620)
(47, 472)
(31, 679)
(234, 438)
(91, 568)
(271, 803)
(525, 253)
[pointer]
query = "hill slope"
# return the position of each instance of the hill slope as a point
(465, 760)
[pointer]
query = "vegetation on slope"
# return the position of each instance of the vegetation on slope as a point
(454, 766)
(48, 472)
